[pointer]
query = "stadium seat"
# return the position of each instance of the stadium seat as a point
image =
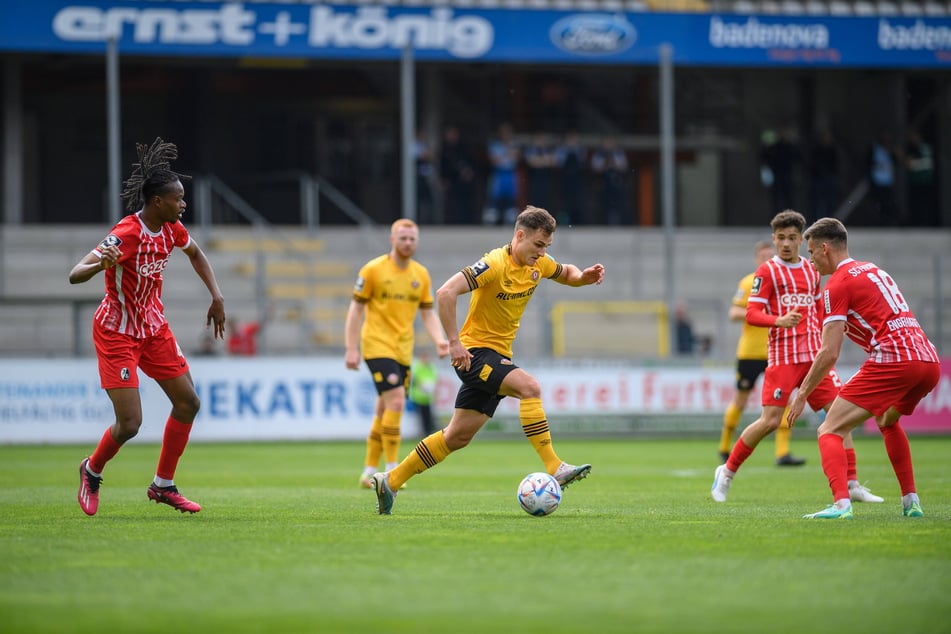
(910, 8)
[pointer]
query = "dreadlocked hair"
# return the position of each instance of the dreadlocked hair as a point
(152, 174)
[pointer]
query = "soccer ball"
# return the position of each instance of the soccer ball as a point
(539, 494)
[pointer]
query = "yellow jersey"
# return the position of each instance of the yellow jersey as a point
(392, 296)
(500, 291)
(754, 340)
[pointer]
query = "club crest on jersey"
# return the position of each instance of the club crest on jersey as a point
(415, 284)
(757, 284)
(479, 268)
(777, 394)
(110, 240)
(534, 276)
(124, 374)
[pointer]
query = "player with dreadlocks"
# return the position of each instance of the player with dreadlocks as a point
(130, 330)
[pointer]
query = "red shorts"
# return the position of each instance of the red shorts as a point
(878, 386)
(779, 381)
(121, 355)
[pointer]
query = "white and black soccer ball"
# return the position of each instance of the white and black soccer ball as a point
(539, 494)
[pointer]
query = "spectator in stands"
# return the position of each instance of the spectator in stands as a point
(389, 291)
(130, 330)
(780, 157)
(425, 172)
(243, 337)
(539, 157)
(919, 166)
(503, 196)
(881, 178)
(609, 164)
(457, 173)
(683, 330)
(571, 161)
(824, 168)
(207, 345)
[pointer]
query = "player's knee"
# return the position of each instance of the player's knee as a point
(185, 409)
(127, 427)
(530, 388)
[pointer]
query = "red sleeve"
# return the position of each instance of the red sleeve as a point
(756, 315)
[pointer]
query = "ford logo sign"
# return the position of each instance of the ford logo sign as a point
(593, 34)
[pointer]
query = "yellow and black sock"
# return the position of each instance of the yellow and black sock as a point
(535, 426)
(374, 443)
(430, 451)
(391, 435)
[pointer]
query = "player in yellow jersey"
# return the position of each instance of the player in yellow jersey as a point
(751, 355)
(501, 284)
(390, 289)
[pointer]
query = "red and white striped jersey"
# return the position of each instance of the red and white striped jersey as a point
(782, 287)
(876, 315)
(133, 301)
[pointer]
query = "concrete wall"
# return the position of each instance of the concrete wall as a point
(308, 317)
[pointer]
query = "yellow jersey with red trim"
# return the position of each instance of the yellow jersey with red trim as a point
(392, 296)
(500, 291)
(754, 340)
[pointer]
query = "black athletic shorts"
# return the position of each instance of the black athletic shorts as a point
(747, 371)
(481, 383)
(388, 374)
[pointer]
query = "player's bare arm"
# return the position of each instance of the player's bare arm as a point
(202, 266)
(833, 333)
(446, 298)
(571, 275)
(434, 330)
(94, 262)
(351, 337)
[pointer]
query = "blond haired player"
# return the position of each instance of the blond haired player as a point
(501, 284)
(389, 291)
(751, 356)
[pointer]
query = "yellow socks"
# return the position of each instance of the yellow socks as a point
(430, 451)
(535, 425)
(391, 435)
(731, 418)
(783, 434)
(374, 444)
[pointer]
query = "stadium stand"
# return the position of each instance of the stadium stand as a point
(309, 297)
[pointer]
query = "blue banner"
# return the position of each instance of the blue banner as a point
(455, 34)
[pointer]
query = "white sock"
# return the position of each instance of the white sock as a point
(91, 472)
(843, 504)
(854, 483)
(391, 465)
(162, 482)
(368, 470)
(909, 499)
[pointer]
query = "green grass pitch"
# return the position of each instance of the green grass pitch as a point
(286, 542)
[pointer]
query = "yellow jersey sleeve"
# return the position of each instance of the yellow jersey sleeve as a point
(754, 340)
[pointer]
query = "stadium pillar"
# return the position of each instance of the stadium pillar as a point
(408, 125)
